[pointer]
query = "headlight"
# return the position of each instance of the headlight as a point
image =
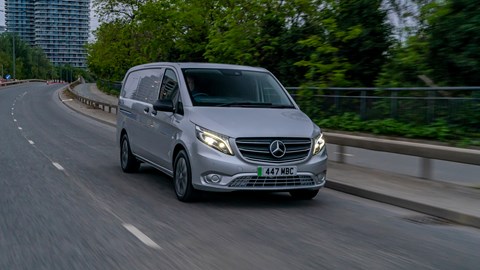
(319, 143)
(214, 140)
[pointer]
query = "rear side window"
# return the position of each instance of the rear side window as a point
(131, 84)
(148, 85)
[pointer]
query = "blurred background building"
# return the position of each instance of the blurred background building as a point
(59, 27)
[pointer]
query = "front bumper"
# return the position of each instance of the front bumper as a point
(215, 171)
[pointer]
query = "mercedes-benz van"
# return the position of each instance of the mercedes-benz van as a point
(217, 127)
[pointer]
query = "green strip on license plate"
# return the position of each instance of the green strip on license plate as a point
(259, 171)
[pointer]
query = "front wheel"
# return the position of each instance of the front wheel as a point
(304, 194)
(128, 161)
(182, 178)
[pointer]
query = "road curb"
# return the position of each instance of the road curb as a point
(79, 111)
(454, 216)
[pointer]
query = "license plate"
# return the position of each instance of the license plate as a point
(277, 171)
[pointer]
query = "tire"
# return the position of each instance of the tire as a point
(182, 178)
(128, 162)
(304, 194)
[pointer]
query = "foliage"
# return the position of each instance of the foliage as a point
(304, 41)
(444, 46)
(439, 130)
(453, 42)
(30, 62)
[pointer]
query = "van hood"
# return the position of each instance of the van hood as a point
(254, 122)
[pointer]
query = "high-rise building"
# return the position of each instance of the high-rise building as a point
(19, 18)
(59, 27)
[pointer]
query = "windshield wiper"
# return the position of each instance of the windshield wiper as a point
(245, 104)
(255, 104)
(278, 106)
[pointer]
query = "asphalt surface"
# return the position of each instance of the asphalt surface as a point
(65, 204)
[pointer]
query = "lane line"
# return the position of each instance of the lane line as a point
(58, 166)
(20, 128)
(31, 142)
(141, 236)
(14, 120)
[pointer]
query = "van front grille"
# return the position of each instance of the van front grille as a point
(258, 149)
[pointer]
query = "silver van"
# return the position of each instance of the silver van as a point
(218, 127)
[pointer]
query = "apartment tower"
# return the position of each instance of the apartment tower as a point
(59, 27)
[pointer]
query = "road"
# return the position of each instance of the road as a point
(65, 204)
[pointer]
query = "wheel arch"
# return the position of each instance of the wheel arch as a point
(179, 147)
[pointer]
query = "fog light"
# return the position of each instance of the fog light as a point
(216, 178)
(213, 178)
(322, 177)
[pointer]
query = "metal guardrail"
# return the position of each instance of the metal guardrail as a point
(19, 82)
(106, 107)
(427, 152)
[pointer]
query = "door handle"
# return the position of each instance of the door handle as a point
(146, 110)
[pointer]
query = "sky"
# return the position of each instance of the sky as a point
(93, 20)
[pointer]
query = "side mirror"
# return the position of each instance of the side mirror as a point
(163, 106)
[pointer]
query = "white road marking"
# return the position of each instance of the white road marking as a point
(31, 142)
(141, 236)
(58, 166)
(348, 155)
(14, 120)
(20, 128)
(65, 100)
(12, 113)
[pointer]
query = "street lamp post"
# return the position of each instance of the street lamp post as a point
(13, 55)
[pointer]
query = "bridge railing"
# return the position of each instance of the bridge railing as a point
(107, 107)
(416, 105)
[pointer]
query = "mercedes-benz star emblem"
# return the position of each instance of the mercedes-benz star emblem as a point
(278, 149)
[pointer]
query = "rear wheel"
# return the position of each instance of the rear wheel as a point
(304, 194)
(182, 178)
(128, 161)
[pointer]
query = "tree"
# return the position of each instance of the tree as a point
(118, 10)
(453, 42)
(30, 62)
(366, 51)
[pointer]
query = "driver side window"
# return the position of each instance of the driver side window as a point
(169, 86)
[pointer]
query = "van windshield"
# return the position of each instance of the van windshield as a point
(235, 88)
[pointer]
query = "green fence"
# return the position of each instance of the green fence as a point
(110, 87)
(457, 106)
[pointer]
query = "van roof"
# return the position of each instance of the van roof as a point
(183, 65)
